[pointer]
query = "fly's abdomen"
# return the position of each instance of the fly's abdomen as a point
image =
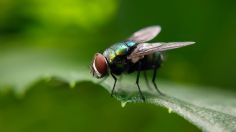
(147, 63)
(152, 61)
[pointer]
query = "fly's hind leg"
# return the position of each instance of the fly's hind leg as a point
(154, 83)
(146, 79)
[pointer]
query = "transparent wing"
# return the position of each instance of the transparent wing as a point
(149, 48)
(145, 34)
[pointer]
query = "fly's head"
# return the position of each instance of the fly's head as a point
(99, 67)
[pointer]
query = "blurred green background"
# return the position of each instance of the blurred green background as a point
(74, 30)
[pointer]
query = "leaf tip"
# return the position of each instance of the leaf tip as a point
(123, 104)
(169, 110)
(47, 78)
(72, 84)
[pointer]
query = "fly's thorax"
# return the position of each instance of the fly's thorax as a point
(118, 50)
(130, 43)
(109, 54)
(117, 56)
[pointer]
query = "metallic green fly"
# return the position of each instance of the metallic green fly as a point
(133, 55)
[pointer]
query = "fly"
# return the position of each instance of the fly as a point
(134, 55)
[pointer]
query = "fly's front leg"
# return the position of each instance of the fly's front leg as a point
(154, 83)
(114, 85)
(137, 82)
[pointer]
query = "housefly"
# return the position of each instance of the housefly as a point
(133, 55)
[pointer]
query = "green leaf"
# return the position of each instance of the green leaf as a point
(210, 109)
(54, 106)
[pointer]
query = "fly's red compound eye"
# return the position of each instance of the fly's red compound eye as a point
(100, 65)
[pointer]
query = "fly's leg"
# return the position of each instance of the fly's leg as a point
(146, 79)
(154, 83)
(137, 82)
(114, 85)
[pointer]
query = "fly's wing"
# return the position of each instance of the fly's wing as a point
(149, 48)
(145, 34)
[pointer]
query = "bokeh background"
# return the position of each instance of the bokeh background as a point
(76, 29)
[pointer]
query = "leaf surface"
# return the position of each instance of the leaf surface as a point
(210, 109)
